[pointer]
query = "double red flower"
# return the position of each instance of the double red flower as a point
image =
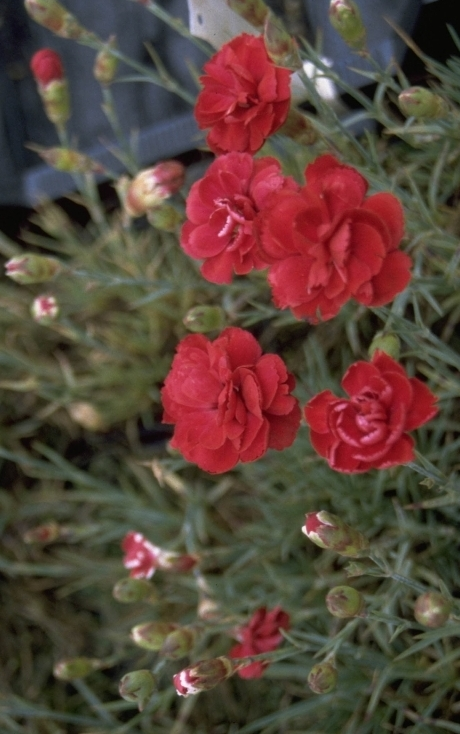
(223, 209)
(245, 97)
(261, 634)
(328, 243)
(228, 401)
(369, 430)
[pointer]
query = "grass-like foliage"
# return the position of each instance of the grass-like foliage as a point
(84, 458)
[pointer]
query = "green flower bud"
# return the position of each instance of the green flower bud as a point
(151, 635)
(432, 609)
(280, 45)
(422, 103)
(344, 602)
(129, 590)
(137, 687)
(345, 18)
(29, 268)
(52, 15)
(165, 217)
(56, 101)
(67, 160)
(201, 319)
(178, 643)
(388, 343)
(329, 531)
(253, 11)
(75, 668)
(322, 678)
(106, 64)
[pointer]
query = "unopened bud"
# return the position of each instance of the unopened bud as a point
(75, 668)
(87, 416)
(151, 635)
(422, 103)
(56, 101)
(388, 343)
(52, 15)
(176, 562)
(29, 268)
(299, 127)
(253, 11)
(432, 609)
(281, 47)
(208, 609)
(137, 687)
(345, 18)
(329, 531)
(204, 675)
(201, 319)
(44, 309)
(105, 65)
(129, 590)
(165, 218)
(152, 186)
(344, 602)
(46, 533)
(46, 66)
(322, 678)
(178, 643)
(68, 160)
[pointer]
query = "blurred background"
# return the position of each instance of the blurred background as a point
(162, 122)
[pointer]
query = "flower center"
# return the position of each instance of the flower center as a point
(239, 216)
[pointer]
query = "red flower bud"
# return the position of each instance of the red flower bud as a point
(329, 531)
(46, 66)
(44, 309)
(152, 186)
(203, 676)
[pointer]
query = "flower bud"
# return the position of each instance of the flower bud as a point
(178, 643)
(344, 602)
(253, 11)
(388, 343)
(87, 416)
(432, 609)
(75, 668)
(322, 678)
(280, 45)
(44, 309)
(420, 102)
(67, 160)
(345, 18)
(152, 186)
(56, 101)
(204, 675)
(106, 64)
(299, 128)
(176, 562)
(137, 687)
(201, 319)
(329, 531)
(165, 218)
(29, 268)
(46, 66)
(46, 533)
(129, 590)
(151, 635)
(52, 15)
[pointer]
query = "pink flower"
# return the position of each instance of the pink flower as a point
(46, 66)
(222, 211)
(261, 634)
(245, 97)
(369, 430)
(228, 401)
(328, 243)
(143, 558)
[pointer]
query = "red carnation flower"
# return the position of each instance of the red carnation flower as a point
(228, 401)
(46, 66)
(222, 210)
(370, 429)
(143, 558)
(245, 97)
(328, 243)
(261, 634)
